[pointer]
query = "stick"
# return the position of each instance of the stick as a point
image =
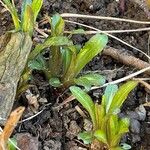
(126, 58)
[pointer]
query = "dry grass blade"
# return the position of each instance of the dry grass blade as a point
(114, 37)
(41, 31)
(9, 126)
(80, 111)
(69, 15)
(69, 99)
(123, 79)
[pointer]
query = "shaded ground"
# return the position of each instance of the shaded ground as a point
(56, 129)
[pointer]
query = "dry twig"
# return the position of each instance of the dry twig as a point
(127, 59)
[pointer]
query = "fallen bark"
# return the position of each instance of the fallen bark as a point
(14, 51)
(125, 58)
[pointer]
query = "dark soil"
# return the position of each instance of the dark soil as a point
(55, 129)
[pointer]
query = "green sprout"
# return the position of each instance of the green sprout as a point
(108, 128)
(66, 60)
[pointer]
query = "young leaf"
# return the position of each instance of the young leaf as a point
(85, 100)
(27, 21)
(125, 146)
(94, 46)
(99, 114)
(55, 82)
(39, 63)
(25, 3)
(101, 136)
(90, 79)
(57, 25)
(121, 95)
(86, 137)
(123, 127)
(36, 6)
(112, 126)
(51, 41)
(67, 56)
(69, 74)
(110, 91)
(78, 31)
(11, 144)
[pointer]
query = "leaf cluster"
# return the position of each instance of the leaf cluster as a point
(66, 60)
(108, 128)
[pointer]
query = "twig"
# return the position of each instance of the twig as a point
(125, 58)
(114, 37)
(94, 32)
(69, 15)
(31, 117)
(80, 111)
(123, 79)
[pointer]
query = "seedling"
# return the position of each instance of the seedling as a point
(66, 60)
(108, 128)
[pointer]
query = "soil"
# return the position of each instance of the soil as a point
(57, 129)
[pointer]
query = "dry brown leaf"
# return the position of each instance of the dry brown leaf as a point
(9, 126)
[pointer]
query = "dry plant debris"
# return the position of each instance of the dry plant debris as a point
(9, 127)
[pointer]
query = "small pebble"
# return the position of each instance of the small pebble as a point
(133, 115)
(136, 138)
(135, 126)
(141, 112)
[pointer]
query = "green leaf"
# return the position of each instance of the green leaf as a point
(123, 126)
(39, 63)
(51, 41)
(85, 100)
(125, 146)
(90, 79)
(67, 57)
(94, 46)
(57, 25)
(112, 126)
(11, 144)
(86, 137)
(68, 74)
(25, 3)
(99, 114)
(121, 95)
(101, 136)
(13, 13)
(110, 91)
(55, 82)
(78, 31)
(36, 7)
(27, 20)
(78, 48)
